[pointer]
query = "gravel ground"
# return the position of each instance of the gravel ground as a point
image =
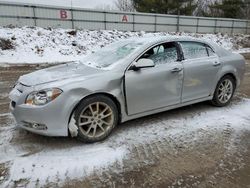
(162, 150)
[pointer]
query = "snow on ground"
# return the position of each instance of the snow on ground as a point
(52, 165)
(243, 50)
(76, 162)
(39, 45)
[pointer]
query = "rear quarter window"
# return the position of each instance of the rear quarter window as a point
(194, 50)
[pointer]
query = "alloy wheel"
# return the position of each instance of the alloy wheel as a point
(225, 91)
(96, 119)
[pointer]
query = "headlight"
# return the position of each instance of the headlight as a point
(43, 96)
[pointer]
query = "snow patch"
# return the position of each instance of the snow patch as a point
(73, 129)
(39, 45)
(242, 50)
(55, 165)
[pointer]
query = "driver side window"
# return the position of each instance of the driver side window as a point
(162, 54)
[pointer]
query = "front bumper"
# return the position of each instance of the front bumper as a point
(49, 120)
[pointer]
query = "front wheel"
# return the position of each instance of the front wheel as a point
(224, 91)
(96, 117)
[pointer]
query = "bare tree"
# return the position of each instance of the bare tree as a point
(105, 7)
(204, 7)
(125, 5)
(246, 9)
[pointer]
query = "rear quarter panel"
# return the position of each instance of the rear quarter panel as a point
(233, 64)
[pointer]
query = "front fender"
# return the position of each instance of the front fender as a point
(112, 88)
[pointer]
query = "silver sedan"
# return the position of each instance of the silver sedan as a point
(123, 81)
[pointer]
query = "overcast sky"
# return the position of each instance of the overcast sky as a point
(76, 3)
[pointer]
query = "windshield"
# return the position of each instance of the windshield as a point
(109, 55)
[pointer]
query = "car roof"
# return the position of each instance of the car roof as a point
(151, 40)
(156, 39)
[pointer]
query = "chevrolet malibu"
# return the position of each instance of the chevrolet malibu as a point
(123, 81)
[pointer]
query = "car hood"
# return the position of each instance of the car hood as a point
(59, 72)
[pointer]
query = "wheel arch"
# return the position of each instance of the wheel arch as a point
(232, 75)
(215, 100)
(112, 97)
(227, 73)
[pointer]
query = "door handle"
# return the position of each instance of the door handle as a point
(216, 63)
(176, 69)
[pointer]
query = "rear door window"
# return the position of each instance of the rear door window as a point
(193, 50)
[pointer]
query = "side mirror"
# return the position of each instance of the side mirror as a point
(143, 63)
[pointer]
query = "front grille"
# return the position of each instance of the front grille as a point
(13, 104)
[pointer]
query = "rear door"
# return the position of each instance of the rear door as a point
(201, 66)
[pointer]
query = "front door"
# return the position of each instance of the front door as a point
(155, 87)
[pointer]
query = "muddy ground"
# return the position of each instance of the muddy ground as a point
(204, 157)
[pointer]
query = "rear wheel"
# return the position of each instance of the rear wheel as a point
(96, 117)
(224, 91)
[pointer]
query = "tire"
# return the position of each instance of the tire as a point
(95, 117)
(219, 98)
